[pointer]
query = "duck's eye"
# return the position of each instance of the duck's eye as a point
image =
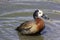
(39, 13)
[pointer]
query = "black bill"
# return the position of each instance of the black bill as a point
(45, 16)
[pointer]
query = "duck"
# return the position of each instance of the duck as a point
(32, 27)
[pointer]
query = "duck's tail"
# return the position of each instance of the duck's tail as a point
(18, 29)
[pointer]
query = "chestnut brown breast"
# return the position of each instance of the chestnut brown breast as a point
(40, 24)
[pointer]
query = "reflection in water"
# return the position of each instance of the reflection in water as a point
(30, 37)
(9, 24)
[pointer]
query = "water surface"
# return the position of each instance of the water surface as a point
(11, 17)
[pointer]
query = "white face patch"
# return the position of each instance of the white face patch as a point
(40, 13)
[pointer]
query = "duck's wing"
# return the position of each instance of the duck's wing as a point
(26, 25)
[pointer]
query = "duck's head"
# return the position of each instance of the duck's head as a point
(38, 14)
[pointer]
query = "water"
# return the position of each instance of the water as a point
(11, 17)
(12, 6)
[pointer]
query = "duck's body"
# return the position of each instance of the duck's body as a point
(31, 27)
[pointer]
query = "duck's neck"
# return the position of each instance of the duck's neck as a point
(38, 20)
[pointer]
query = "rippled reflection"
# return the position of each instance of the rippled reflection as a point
(9, 24)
